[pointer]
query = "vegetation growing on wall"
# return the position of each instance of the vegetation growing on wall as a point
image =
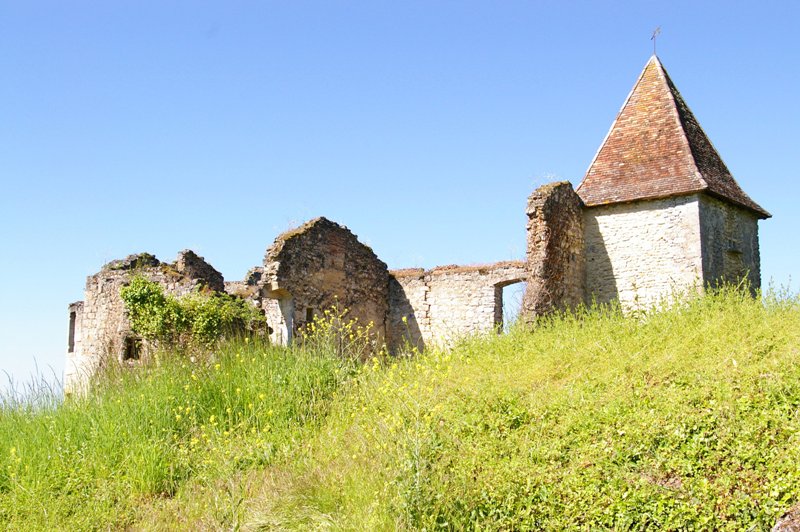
(197, 318)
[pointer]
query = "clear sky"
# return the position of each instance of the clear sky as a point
(129, 126)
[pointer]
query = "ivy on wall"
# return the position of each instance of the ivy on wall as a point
(197, 318)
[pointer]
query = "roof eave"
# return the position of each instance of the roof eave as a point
(756, 209)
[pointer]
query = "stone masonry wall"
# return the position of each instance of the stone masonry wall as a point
(319, 265)
(408, 322)
(555, 250)
(104, 326)
(437, 306)
(730, 243)
(643, 252)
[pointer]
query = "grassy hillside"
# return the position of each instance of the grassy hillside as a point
(688, 418)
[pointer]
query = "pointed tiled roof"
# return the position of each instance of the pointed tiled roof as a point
(655, 149)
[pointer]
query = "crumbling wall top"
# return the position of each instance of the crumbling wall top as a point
(455, 268)
(551, 196)
(480, 268)
(254, 276)
(189, 264)
(407, 272)
(133, 262)
(317, 225)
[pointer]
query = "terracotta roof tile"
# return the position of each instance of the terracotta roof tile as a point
(656, 148)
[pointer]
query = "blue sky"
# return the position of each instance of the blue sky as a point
(130, 126)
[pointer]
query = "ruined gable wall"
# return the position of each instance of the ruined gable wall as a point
(446, 303)
(642, 252)
(104, 323)
(320, 265)
(730, 243)
(555, 250)
(192, 266)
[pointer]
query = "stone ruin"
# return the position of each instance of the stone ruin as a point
(99, 329)
(656, 215)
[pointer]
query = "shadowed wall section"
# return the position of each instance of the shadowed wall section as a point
(729, 236)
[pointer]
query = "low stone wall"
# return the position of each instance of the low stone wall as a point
(437, 306)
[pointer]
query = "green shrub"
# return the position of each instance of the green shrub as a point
(197, 318)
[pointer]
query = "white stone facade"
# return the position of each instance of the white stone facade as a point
(643, 252)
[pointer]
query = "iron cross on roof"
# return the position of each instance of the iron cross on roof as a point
(656, 33)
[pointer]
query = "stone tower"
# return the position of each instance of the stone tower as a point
(663, 214)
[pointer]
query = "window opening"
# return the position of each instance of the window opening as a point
(508, 304)
(71, 340)
(133, 348)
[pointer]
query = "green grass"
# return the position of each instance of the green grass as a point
(688, 418)
(107, 459)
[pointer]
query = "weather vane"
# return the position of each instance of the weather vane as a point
(656, 33)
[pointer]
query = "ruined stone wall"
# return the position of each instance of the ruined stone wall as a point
(730, 243)
(555, 250)
(249, 288)
(644, 251)
(435, 307)
(320, 265)
(408, 321)
(191, 266)
(105, 332)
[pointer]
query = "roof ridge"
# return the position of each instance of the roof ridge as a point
(662, 72)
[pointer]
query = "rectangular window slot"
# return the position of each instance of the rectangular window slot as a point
(71, 340)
